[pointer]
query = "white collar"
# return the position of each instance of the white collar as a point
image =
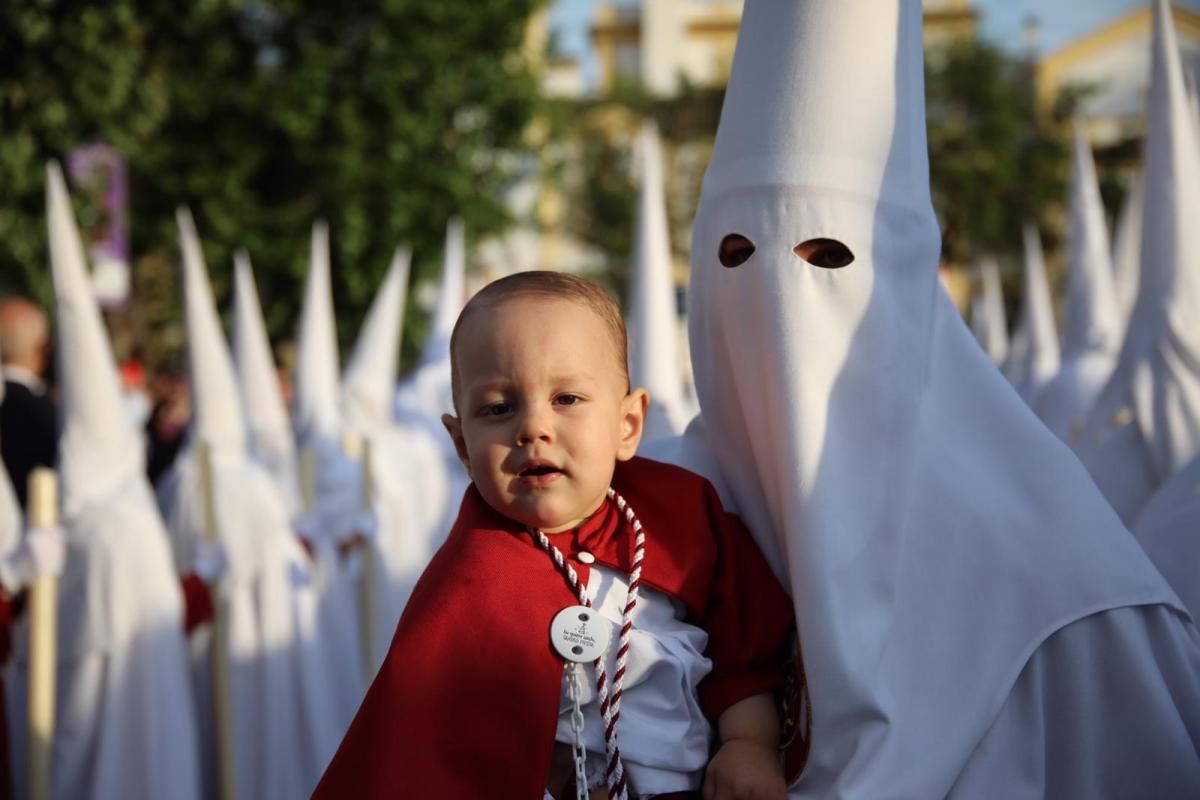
(25, 377)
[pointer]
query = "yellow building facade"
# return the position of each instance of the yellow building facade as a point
(659, 44)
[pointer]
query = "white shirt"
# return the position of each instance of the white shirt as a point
(663, 734)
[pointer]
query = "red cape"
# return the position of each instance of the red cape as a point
(466, 703)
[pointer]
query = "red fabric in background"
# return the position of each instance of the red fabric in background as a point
(466, 703)
(197, 602)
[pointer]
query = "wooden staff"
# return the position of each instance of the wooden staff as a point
(308, 479)
(221, 700)
(358, 448)
(43, 593)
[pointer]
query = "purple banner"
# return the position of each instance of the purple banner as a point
(100, 180)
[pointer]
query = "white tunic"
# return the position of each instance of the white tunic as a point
(663, 734)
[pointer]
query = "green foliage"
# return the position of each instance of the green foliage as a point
(384, 118)
(994, 160)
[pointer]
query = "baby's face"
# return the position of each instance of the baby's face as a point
(544, 415)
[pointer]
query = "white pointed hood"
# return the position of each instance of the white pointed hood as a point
(1033, 357)
(317, 417)
(1093, 326)
(1127, 250)
(270, 430)
(99, 451)
(217, 417)
(1146, 425)
(988, 319)
(369, 385)
(451, 296)
(884, 466)
(653, 321)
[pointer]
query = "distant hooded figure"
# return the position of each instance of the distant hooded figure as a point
(1145, 425)
(988, 320)
(284, 716)
(1092, 332)
(653, 320)
(1033, 356)
(969, 607)
(125, 720)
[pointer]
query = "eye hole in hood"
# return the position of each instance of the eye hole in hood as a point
(824, 253)
(734, 250)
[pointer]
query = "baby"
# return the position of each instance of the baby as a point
(474, 699)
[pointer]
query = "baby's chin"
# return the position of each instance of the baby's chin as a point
(546, 519)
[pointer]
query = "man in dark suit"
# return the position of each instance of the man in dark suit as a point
(28, 420)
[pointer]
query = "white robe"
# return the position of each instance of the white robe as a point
(284, 716)
(125, 725)
(1107, 706)
(1168, 529)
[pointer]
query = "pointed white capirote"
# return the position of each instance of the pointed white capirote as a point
(1127, 250)
(217, 417)
(369, 382)
(317, 419)
(451, 295)
(1093, 326)
(1033, 357)
(1145, 425)
(886, 469)
(98, 449)
(272, 442)
(653, 321)
(988, 319)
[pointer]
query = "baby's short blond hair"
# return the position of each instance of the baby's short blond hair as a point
(549, 285)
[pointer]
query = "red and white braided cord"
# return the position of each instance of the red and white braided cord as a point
(610, 706)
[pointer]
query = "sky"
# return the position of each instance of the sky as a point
(1060, 21)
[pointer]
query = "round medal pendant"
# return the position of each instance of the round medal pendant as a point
(579, 634)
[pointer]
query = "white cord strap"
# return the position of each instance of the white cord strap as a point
(610, 703)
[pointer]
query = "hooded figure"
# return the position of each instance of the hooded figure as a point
(653, 323)
(1092, 332)
(125, 722)
(1145, 425)
(426, 391)
(424, 395)
(334, 509)
(408, 489)
(271, 441)
(954, 571)
(284, 726)
(1033, 353)
(988, 320)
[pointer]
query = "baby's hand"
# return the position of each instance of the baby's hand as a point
(744, 769)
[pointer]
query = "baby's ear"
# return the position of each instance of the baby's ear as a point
(454, 428)
(633, 423)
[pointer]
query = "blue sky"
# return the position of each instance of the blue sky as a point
(1060, 20)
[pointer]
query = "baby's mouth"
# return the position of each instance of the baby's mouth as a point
(538, 470)
(538, 473)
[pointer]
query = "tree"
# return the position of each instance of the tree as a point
(995, 160)
(385, 118)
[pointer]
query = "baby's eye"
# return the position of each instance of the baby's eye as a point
(567, 399)
(495, 409)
